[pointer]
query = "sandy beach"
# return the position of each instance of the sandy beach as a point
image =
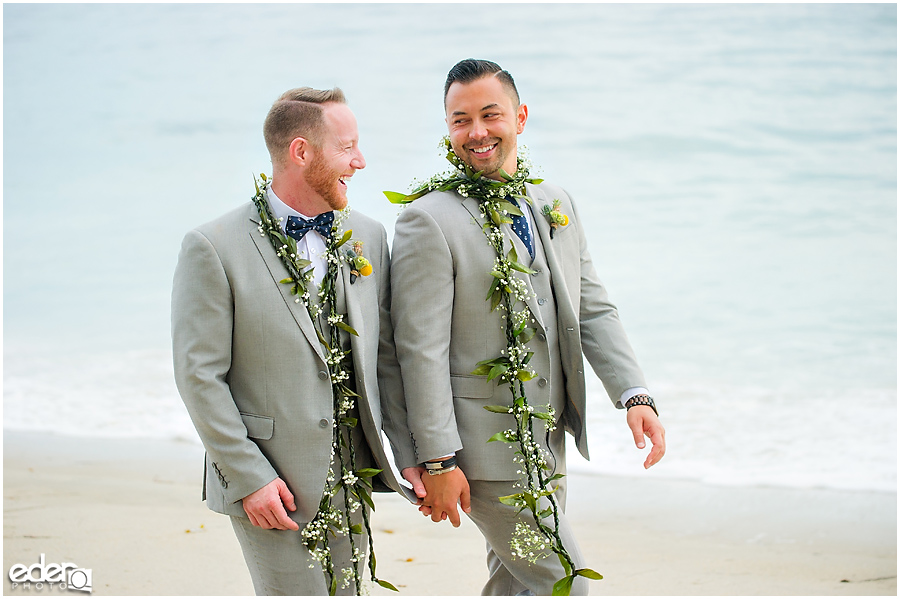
(130, 511)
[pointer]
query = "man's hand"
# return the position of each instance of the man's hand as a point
(265, 507)
(643, 422)
(444, 491)
(414, 477)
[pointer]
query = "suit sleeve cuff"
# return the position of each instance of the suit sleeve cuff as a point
(629, 393)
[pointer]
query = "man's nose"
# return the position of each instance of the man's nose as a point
(478, 130)
(358, 161)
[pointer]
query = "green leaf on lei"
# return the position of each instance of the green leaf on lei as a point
(397, 198)
(501, 436)
(525, 376)
(563, 586)
(497, 370)
(368, 472)
(346, 237)
(348, 328)
(512, 500)
(565, 564)
(482, 370)
(510, 208)
(386, 584)
(588, 573)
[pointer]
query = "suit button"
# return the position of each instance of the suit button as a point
(323, 375)
(542, 301)
(542, 382)
(323, 423)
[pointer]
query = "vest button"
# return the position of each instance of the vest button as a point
(542, 382)
(542, 336)
(323, 375)
(542, 301)
(323, 423)
(536, 272)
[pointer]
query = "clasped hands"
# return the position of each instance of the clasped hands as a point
(439, 494)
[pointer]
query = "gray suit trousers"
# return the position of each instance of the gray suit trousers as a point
(280, 564)
(497, 522)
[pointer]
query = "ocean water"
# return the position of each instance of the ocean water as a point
(736, 166)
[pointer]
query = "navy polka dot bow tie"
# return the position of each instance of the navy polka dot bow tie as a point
(298, 227)
(520, 226)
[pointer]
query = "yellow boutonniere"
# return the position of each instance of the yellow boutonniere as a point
(556, 218)
(359, 264)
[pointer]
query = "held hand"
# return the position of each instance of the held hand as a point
(414, 477)
(265, 507)
(444, 491)
(643, 422)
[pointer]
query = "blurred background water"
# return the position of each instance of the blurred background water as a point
(735, 165)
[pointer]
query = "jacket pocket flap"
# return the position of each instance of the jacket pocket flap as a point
(475, 387)
(258, 427)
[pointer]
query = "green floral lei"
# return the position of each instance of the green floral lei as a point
(507, 290)
(355, 484)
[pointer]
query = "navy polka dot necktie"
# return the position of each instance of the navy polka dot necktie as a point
(520, 226)
(298, 227)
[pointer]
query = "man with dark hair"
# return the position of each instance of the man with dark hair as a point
(467, 71)
(507, 369)
(283, 356)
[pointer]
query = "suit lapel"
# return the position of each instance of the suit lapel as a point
(354, 319)
(543, 230)
(471, 205)
(278, 272)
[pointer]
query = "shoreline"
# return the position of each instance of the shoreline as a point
(130, 510)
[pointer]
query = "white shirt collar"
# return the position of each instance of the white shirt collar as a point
(281, 210)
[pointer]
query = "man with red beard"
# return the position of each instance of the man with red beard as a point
(266, 306)
(463, 237)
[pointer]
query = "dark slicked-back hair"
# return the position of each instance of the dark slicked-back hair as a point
(472, 69)
(297, 113)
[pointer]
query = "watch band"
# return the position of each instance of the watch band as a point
(641, 400)
(441, 466)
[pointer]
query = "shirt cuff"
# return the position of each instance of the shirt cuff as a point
(629, 393)
(449, 455)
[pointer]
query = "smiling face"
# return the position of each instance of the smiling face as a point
(484, 121)
(336, 157)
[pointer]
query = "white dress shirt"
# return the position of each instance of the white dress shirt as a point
(312, 246)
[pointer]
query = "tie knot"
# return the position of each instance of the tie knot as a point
(298, 227)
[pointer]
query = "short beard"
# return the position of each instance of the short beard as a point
(324, 182)
(492, 168)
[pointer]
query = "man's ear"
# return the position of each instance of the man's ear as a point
(300, 151)
(521, 117)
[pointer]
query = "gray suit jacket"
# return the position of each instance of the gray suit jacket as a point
(443, 327)
(251, 370)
